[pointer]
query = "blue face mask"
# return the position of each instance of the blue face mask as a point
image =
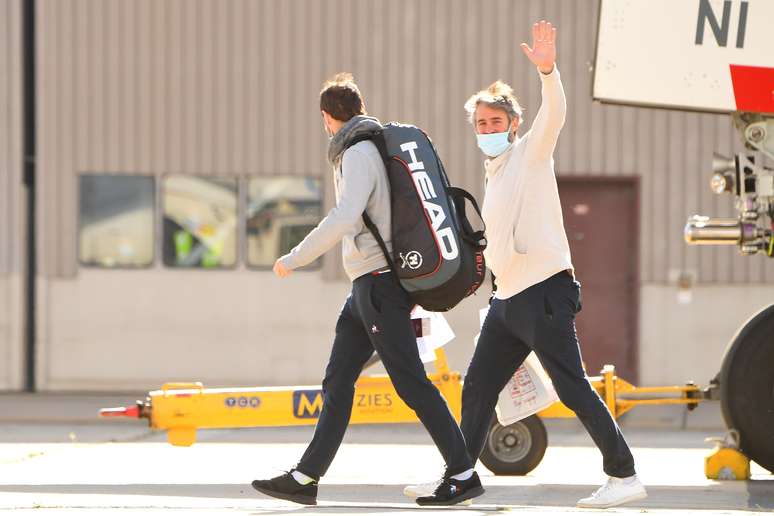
(493, 144)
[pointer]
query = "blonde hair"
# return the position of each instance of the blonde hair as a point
(498, 95)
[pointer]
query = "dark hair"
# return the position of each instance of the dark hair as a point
(341, 98)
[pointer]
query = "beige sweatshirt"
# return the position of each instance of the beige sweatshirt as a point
(525, 230)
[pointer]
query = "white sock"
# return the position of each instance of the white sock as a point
(464, 475)
(301, 478)
(627, 480)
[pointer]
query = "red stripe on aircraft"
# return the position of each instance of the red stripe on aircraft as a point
(753, 88)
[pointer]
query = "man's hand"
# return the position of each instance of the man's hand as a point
(543, 51)
(280, 270)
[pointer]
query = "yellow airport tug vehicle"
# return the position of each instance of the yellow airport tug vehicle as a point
(182, 408)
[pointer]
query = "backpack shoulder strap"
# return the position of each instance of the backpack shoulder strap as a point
(381, 146)
(379, 240)
(476, 238)
(377, 138)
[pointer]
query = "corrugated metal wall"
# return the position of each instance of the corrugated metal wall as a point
(11, 194)
(214, 87)
(10, 135)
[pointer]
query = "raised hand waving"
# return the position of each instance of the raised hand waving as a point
(543, 51)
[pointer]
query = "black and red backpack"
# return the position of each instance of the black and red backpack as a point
(437, 256)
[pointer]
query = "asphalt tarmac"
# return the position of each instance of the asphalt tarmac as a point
(111, 468)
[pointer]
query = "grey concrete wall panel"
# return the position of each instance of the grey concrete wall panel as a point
(10, 135)
(11, 194)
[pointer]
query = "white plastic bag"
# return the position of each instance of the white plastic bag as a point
(432, 331)
(529, 390)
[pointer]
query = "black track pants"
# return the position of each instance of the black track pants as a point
(540, 319)
(376, 316)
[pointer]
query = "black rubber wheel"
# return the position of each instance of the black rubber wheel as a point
(515, 449)
(747, 387)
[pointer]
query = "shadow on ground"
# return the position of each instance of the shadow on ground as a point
(560, 433)
(757, 495)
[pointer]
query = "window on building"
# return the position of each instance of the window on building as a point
(115, 220)
(280, 213)
(200, 222)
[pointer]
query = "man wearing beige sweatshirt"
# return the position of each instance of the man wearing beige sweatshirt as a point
(537, 297)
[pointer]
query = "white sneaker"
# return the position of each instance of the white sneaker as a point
(415, 491)
(615, 492)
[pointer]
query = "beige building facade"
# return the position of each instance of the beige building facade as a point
(207, 112)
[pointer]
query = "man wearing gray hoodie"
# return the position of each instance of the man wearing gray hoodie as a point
(375, 316)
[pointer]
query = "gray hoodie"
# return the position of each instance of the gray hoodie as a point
(360, 181)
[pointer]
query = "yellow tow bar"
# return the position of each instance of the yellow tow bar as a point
(182, 408)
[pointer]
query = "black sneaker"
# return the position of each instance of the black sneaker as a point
(287, 488)
(451, 491)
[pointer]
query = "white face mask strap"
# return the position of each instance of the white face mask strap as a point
(511, 130)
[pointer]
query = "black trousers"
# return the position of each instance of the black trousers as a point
(540, 319)
(376, 316)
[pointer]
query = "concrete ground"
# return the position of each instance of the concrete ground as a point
(56, 458)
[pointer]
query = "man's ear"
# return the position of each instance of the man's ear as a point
(326, 122)
(515, 125)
